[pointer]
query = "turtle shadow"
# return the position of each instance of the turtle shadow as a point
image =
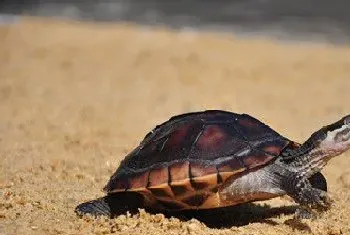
(235, 216)
(240, 215)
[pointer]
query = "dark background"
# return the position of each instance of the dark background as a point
(307, 19)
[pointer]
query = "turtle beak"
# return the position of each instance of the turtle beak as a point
(343, 134)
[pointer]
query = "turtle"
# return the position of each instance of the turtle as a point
(214, 159)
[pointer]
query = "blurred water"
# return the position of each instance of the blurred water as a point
(298, 19)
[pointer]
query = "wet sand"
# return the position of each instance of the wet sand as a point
(76, 97)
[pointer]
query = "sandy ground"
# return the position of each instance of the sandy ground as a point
(75, 98)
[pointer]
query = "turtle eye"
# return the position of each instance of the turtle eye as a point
(347, 120)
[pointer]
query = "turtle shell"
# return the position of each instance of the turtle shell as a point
(182, 163)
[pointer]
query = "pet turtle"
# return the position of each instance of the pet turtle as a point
(215, 158)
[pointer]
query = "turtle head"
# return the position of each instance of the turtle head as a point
(324, 144)
(333, 139)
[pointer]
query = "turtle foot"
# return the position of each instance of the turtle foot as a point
(98, 207)
(112, 205)
(317, 199)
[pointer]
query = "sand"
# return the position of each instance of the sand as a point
(76, 97)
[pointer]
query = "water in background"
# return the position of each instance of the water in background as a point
(323, 20)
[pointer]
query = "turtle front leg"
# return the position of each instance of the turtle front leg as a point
(310, 199)
(317, 181)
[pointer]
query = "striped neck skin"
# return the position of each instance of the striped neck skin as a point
(310, 163)
(322, 146)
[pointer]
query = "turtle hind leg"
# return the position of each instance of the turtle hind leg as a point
(112, 205)
(96, 207)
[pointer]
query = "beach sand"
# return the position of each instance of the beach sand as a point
(75, 98)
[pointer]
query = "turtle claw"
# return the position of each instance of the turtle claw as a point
(303, 213)
(321, 201)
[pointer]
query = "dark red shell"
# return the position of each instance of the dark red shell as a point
(189, 147)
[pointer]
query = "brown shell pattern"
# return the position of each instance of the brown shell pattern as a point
(182, 162)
